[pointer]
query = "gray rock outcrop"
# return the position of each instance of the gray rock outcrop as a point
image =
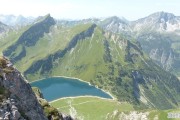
(18, 101)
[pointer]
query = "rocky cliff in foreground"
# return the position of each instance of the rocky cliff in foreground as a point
(17, 100)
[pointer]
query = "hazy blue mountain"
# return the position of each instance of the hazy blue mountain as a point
(3, 27)
(12, 20)
(160, 22)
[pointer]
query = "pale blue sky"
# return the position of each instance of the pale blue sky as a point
(79, 9)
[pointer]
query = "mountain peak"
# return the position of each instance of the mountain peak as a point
(115, 24)
(45, 18)
(48, 15)
(48, 18)
(165, 15)
(159, 21)
(117, 19)
(31, 36)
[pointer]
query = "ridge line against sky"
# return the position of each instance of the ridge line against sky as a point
(81, 9)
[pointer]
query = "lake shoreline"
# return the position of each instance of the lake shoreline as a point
(107, 92)
(82, 96)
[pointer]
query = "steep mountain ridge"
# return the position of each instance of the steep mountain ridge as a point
(47, 64)
(57, 39)
(29, 38)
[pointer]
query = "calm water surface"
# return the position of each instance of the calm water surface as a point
(58, 87)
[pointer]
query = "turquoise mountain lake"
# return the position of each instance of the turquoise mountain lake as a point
(58, 87)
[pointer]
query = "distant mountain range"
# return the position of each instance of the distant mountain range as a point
(12, 20)
(103, 52)
(3, 27)
(160, 21)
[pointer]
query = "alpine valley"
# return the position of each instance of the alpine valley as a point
(137, 62)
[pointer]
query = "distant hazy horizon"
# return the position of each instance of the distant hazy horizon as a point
(83, 9)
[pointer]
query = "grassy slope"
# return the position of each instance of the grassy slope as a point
(93, 108)
(51, 42)
(11, 37)
(90, 108)
(84, 60)
(162, 114)
(87, 63)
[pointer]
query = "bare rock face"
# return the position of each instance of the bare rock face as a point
(17, 98)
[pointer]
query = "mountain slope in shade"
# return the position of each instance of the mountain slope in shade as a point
(29, 38)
